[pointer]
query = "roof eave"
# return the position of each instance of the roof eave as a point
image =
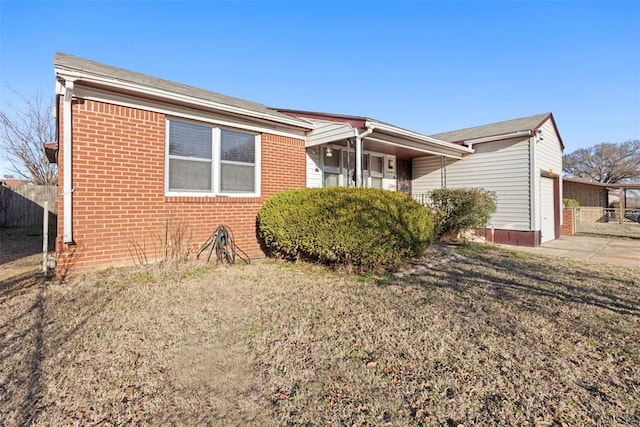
(555, 127)
(500, 137)
(403, 133)
(148, 91)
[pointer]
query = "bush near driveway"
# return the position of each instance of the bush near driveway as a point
(459, 209)
(367, 228)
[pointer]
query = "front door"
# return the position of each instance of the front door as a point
(404, 175)
(547, 210)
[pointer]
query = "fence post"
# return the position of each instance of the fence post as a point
(45, 237)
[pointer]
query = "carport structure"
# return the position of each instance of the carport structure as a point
(623, 187)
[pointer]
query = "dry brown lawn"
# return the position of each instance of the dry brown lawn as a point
(498, 338)
(625, 230)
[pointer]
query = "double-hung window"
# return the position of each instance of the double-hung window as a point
(208, 160)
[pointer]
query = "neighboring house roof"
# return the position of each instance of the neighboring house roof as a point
(331, 127)
(98, 74)
(608, 186)
(12, 182)
(585, 181)
(500, 130)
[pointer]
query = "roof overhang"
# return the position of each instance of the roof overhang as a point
(51, 151)
(608, 186)
(129, 88)
(384, 138)
(511, 135)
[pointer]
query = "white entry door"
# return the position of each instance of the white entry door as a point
(547, 210)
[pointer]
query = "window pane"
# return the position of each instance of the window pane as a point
(237, 178)
(189, 175)
(330, 179)
(237, 146)
(189, 140)
(376, 164)
(333, 160)
(348, 162)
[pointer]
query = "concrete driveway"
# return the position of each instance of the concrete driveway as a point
(611, 250)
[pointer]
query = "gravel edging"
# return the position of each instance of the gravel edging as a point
(434, 257)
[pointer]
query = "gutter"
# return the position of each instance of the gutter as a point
(469, 143)
(422, 150)
(72, 75)
(419, 137)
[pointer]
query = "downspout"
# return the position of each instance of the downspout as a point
(359, 138)
(535, 218)
(67, 188)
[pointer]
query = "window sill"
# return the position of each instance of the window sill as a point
(244, 198)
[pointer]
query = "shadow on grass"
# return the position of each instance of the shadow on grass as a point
(532, 285)
(542, 280)
(26, 337)
(21, 242)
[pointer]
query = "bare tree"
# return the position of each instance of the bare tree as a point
(23, 133)
(607, 163)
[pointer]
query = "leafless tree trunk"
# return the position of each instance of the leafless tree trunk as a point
(23, 133)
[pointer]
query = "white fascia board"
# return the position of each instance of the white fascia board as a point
(94, 94)
(146, 90)
(326, 132)
(520, 133)
(403, 133)
(413, 147)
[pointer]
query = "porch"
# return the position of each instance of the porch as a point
(361, 152)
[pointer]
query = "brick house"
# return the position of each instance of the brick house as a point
(587, 193)
(137, 153)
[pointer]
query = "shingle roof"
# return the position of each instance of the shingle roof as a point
(64, 61)
(493, 129)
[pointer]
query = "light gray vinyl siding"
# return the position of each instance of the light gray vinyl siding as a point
(314, 171)
(548, 158)
(328, 132)
(501, 166)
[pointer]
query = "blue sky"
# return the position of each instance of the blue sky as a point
(426, 66)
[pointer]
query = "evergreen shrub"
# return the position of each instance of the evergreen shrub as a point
(369, 229)
(570, 203)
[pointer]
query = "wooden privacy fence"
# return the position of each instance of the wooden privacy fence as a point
(22, 205)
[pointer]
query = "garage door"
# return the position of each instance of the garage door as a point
(548, 230)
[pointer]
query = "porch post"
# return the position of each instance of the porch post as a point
(358, 162)
(359, 138)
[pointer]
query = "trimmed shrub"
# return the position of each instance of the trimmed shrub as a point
(459, 209)
(367, 228)
(570, 203)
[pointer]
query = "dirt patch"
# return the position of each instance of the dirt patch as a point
(501, 338)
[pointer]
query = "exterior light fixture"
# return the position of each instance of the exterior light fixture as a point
(329, 152)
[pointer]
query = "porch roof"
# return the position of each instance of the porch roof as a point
(382, 137)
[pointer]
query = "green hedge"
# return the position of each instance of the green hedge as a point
(459, 209)
(570, 203)
(369, 229)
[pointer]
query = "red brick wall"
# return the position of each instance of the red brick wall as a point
(569, 222)
(119, 201)
(585, 194)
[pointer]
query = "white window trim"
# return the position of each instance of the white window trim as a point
(215, 162)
